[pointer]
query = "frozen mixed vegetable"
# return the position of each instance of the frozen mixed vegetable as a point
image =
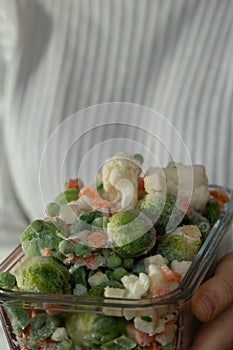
(131, 233)
(132, 236)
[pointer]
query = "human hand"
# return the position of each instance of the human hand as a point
(212, 304)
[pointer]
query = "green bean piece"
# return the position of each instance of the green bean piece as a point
(195, 218)
(212, 211)
(52, 209)
(7, 280)
(99, 185)
(204, 228)
(43, 326)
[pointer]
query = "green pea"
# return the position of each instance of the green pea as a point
(128, 263)
(118, 273)
(106, 253)
(114, 261)
(83, 250)
(52, 209)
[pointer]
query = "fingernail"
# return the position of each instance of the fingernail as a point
(208, 304)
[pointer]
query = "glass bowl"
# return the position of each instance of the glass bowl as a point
(217, 244)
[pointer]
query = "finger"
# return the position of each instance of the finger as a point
(216, 294)
(216, 334)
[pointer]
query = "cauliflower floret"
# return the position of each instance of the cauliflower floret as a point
(163, 319)
(136, 286)
(181, 267)
(146, 324)
(188, 180)
(182, 180)
(155, 180)
(110, 292)
(157, 260)
(119, 175)
(70, 211)
(158, 285)
(165, 331)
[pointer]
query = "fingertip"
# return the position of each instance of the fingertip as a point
(203, 306)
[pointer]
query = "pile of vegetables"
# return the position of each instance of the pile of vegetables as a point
(129, 236)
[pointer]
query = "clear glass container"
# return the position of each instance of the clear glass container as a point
(217, 244)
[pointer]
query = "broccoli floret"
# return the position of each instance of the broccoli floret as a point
(38, 236)
(7, 280)
(84, 221)
(98, 290)
(90, 330)
(181, 244)
(42, 326)
(78, 275)
(67, 196)
(100, 222)
(44, 274)
(159, 206)
(131, 233)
